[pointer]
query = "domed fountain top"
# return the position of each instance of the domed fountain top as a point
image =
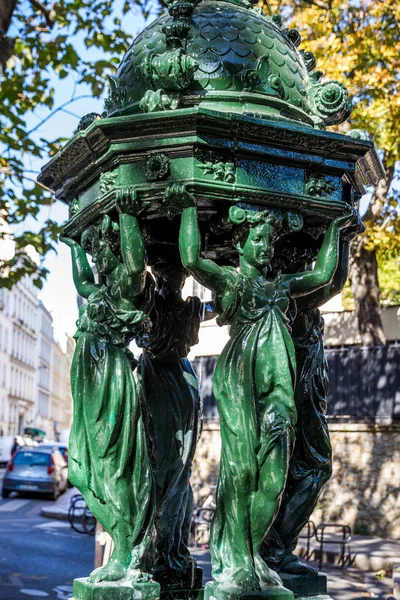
(225, 55)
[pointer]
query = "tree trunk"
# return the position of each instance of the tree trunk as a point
(365, 288)
(364, 271)
(7, 8)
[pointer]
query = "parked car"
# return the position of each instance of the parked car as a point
(36, 470)
(63, 448)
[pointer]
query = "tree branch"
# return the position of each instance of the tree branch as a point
(7, 8)
(43, 10)
(380, 193)
(319, 3)
(53, 112)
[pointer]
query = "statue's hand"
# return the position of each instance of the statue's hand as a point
(350, 220)
(126, 201)
(178, 198)
(354, 228)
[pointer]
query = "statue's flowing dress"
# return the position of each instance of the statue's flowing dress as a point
(254, 389)
(172, 412)
(311, 462)
(108, 458)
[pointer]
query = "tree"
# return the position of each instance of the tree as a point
(357, 42)
(43, 43)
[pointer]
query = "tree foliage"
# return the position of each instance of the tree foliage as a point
(79, 41)
(357, 42)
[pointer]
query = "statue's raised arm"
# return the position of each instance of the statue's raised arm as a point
(81, 270)
(327, 259)
(206, 271)
(132, 245)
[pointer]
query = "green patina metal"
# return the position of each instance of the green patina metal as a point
(254, 385)
(216, 115)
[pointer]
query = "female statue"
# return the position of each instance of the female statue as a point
(108, 459)
(172, 411)
(253, 383)
(310, 466)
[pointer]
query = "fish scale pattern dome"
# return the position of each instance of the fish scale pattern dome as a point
(230, 49)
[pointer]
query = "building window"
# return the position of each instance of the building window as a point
(201, 292)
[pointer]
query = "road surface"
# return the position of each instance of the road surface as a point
(39, 557)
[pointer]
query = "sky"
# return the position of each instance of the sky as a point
(58, 293)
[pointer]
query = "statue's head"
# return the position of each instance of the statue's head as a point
(254, 232)
(102, 241)
(169, 276)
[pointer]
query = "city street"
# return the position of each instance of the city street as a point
(39, 557)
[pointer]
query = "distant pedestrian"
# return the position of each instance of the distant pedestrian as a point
(15, 446)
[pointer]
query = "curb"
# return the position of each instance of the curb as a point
(54, 513)
(59, 509)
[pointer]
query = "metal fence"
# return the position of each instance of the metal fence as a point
(363, 382)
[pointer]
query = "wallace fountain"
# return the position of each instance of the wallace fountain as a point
(212, 159)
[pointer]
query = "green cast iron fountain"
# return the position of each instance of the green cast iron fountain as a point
(211, 158)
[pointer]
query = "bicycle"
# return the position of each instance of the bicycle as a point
(80, 517)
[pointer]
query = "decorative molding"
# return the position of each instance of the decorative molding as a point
(68, 159)
(87, 120)
(97, 140)
(318, 185)
(107, 181)
(63, 173)
(221, 171)
(329, 100)
(157, 167)
(159, 100)
(74, 207)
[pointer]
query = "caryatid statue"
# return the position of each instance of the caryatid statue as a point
(310, 465)
(108, 459)
(254, 384)
(172, 410)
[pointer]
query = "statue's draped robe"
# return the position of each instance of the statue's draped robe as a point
(171, 406)
(254, 389)
(108, 459)
(311, 464)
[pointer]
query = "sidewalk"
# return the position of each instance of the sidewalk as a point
(59, 509)
(372, 553)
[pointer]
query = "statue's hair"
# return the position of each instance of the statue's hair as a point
(244, 218)
(162, 271)
(87, 237)
(106, 228)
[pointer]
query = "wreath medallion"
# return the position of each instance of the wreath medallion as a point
(157, 167)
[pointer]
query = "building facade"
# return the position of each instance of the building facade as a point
(43, 417)
(61, 397)
(23, 361)
(5, 348)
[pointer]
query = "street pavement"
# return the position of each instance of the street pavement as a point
(39, 557)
